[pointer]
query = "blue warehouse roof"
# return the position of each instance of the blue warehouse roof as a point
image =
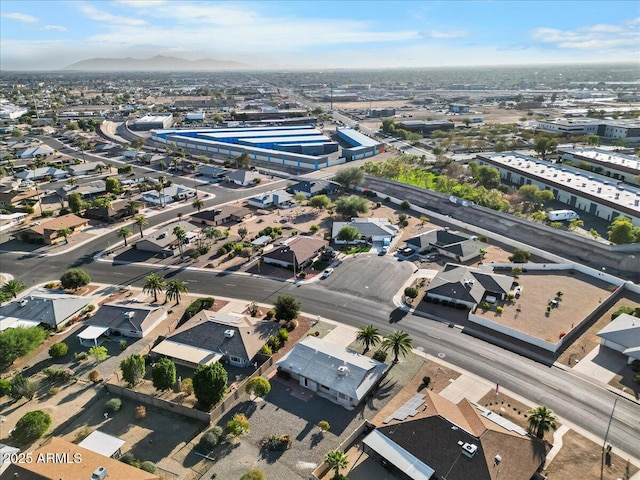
(356, 139)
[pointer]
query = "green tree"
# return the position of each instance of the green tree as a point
(198, 204)
(123, 233)
(621, 231)
(133, 369)
(487, 177)
(238, 425)
(99, 353)
(320, 202)
(213, 233)
(253, 474)
(175, 289)
(22, 387)
(210, 383)
(544, 145)
(351, 206)
(31, 426)
(164, 374)
(65, 232)
(180, 234)
(76, 204)
(74, 278)
(348, 234)
(369, 336)
(242, 232)
(336, 460)
(17, 342)
(13, 287)
(399, 343)
(243, 161)
(112, 185)
(140, 221)
(287, 307)
(132, 207)
(520, 256)
(258, 386)
(349, 177)
(541, 420)
(154, 284)
(58, 350)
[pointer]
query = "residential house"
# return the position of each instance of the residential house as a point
(48, 308)
(118, 209)
(623, 335)
(244, 178)
(87, 168)
(210, 337)
(371, 229)
(8, 221)
(13, 197)
(6, 453)
(81, 464)
(212, 173)
(89, 190)
(222, 215)
(279, 199)
(37, 151)
(41, 173)
(129, 319)
(430, 438)
(47, 232)
(170, 194)
(468, 286)
(310, 188)
(164, 241)
(332, 371)
(453, 245)
(297, 252)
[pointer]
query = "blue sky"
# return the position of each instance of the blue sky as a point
(43, 35)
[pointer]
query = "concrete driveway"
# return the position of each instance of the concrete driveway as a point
(370, 276)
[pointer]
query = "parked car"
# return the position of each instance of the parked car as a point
(406, 251)
(327, 272)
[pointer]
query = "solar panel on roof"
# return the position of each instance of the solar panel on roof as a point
(408, 409)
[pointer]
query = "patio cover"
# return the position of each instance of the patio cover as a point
(92, 332)
(102, 443)
(398, 456)
(13, 322)
(186, 353)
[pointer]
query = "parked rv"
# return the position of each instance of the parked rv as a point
(562, 215)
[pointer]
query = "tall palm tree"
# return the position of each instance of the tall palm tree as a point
(154, 284)
(12, 287)
(65, 232)
(198, 203)
(141, 222)
(175, 289)
(336, 459)
(180, 234)
(368, 336)
(399, 343)
(214, 233)
(162, 179)
(541, 420)
(124, 232)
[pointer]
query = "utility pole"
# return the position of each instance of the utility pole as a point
(606, 435)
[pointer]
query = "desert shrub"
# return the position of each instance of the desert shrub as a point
(22, 387)
(57, 374)
(94, 376)
(324, 425)
(499, 309)
(292, 325)
(130, 459)
(270, 314)
(277, 442)
(283, 335)
(31, 426)
(314, 228)
(411, 292)
(273, 342)
(141, 412)
(80, 356)
(187, 386)
(5, 387)
(83, 433)
(405, 205)
(53, 391)
(199, 304)
(148, 467)
(266, 349)
(211, 438)
(253, 474)
(90, 308)
(486, 306)
(113, 405)
(58, 350)
(123, 344)
(380, 355)
(426, 381)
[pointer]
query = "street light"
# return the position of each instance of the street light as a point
(606, 435)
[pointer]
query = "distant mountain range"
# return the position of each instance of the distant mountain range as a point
(159, 63)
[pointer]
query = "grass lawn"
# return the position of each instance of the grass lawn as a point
(353, 250)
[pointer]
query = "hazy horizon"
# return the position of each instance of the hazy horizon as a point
(331, 35)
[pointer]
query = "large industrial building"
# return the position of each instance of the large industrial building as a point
(580, 190)
(152, 121)
(360, 146)
(618, 166)
(425, 127)
(611, 129)
(301, 146)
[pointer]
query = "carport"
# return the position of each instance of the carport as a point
(90, 336)
(397, 456)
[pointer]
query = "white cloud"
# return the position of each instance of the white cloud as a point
(141, 3)
(58, 28)
(447, 34)
(101, 16)
(21, 17)
(598, 38)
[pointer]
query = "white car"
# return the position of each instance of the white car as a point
(327, 272)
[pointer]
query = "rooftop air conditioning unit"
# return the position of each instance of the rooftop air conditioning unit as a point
(469, 449)
(342, 370)
(229, 333)
(129, 315)
(99, 473)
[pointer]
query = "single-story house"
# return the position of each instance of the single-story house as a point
(86, 168)
(297, 252)
(172, 193)
(214, 173)
(371, 229)
(8, 221)
(343, 376)
(6, 453)
(12, 197)
(87, 190)
(103, 443)
(244, 178)
(47, 232)
(40, 173)
(310, 188)
(453, 245)
(119, 209)
(210, 337)
(429, 438)
(81, 464)
(130, 319)
(39, 151)
(279, 199)
(164, 241)
(623, 335)
(468, 286)
(49, 308)
(222, 215)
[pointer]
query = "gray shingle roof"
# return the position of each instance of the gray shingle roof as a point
(114, 316)
(45, 306)
(453, 282)
(368, 227)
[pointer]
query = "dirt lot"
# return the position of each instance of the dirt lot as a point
(581, 458)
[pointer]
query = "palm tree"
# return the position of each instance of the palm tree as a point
(124, 232)
(368, 336)
(541, 420)
(180, 234)
(174, 290)
(398, 342)
(197, 203)
(132, 207)
(162, 179)
(65, 232)
(12, 287)
(336, 459)
(154, 284)
(141, 222)
(211, 232)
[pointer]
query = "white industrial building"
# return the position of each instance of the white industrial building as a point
(613, 129)
(618, 166)
(153, 121)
